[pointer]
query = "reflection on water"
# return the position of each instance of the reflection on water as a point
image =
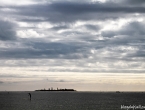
(68, 100)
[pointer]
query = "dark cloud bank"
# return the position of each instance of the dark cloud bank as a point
(57, 12)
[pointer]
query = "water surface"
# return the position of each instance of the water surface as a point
(69, 100)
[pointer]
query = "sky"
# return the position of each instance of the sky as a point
(87, 45)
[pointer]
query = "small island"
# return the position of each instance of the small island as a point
(51, 89)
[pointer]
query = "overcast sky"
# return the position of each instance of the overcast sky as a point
(86, 45)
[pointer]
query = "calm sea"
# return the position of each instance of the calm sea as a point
(70, 100)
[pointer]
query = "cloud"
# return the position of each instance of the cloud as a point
(43, 50)
(59, 27)
(57, 12)
(138, 54)
(7, 31)
(134, 2)
(21, 2)
(92, 27)
(135, 30)
(1, 82)
(118, 50)
(55, 80)
(74, 36)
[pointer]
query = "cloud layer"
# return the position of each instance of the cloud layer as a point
(74, 36)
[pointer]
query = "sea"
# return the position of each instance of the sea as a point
(59, 100)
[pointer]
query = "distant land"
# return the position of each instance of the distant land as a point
(51, 89)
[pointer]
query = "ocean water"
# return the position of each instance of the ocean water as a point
(69, 100)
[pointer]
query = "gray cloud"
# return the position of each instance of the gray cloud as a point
(133, 29)
(1, 82)
(59, 27)
(79, 50)
(43, 50)
(138, 54)
(72, 11)
(7, 31)
(133, 2)
(93, 27)
(82, 46)
(108, 34)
